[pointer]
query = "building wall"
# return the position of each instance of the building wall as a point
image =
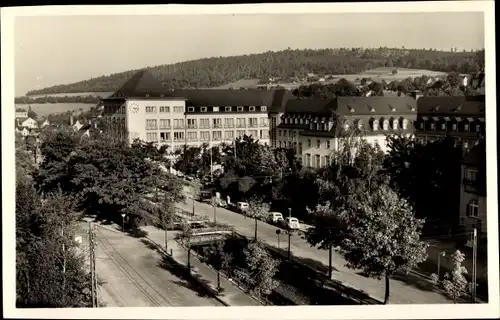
(30, 124)
(465, 197)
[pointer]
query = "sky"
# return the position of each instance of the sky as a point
(52, 50)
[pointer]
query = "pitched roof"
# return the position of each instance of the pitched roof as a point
(279, 99)
(142, 84)
(375, 105)
(452, 105)
(310, 106)
(215, 97)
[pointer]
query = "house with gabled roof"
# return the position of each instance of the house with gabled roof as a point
(146, 109)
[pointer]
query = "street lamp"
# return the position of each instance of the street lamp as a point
(440, 254)
(123, 222)
(278, 232)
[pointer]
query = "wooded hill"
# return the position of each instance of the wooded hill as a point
(217, 71)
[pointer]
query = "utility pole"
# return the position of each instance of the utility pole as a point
(64, 263)
(330, 261)
(93, 282)
(474, 265)
(289, 236)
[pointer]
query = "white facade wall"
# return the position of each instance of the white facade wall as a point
(178, 124)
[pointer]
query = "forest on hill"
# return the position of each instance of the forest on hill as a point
(285, 64)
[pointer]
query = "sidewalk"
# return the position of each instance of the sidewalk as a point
(230, 295)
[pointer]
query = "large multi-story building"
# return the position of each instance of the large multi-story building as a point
(144, 109)
(314, 127)
(473, 190)
(459, 117)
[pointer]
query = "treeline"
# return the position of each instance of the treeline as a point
(65, 99)
(217, 71)
(451, 85)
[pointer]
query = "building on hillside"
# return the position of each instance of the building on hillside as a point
(473, 191)
(145, 109)
(459, 117)
(314, 127)
(21, 116)
(29, 123)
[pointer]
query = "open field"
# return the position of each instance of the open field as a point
(44, 109)
(377, 74)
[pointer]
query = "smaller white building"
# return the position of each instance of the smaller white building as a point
(29, 123)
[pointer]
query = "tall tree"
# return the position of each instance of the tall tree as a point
(261, 270)
(381, 236)
(257, 209)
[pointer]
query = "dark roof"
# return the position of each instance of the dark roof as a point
(320, 106)
(215, 97)
(476, 155)
(375, 105)
(279, 99)
(452, 105)
(142, 84)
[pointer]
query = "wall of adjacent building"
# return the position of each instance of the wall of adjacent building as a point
(465, 198)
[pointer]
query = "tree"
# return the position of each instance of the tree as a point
(261, 270)
(394, 71)
(381, 236)
(50, 269)
(221, 260)
(25, 165)
(257, 209)
(455, 285)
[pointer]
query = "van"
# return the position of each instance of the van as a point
(274, 217)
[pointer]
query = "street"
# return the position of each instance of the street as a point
(134, 276)
(401, 292)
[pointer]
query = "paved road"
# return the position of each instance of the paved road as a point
(401, 292)
(133, 276)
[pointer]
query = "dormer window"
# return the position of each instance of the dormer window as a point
(457, 108)
(351, 109)
(405, 124)
(372, 109)
(436, 108)
(454, 127)
(375, 125)
(296, 121)
(466, 127)
(263, 108)
(443, 126)
(147, 95)
(386, 125)
(301, 120)
(395, 124)
(227, 109)
(433, 126)
(203, 109)
(360, 124)
(252, 108)
(392, 108)
(412, 108)
(478, 128)
(240, 109)
(190, 109)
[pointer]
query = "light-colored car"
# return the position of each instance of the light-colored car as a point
(291, 223)
(242, 206)
(274, 217)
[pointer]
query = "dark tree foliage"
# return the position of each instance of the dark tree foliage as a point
(50, 270)
(428, 176)
(285, 64)
(106, 178)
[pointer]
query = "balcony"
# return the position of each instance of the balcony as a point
(241, 125)
(217, 138)
(178, 126)
(192, 139)
(230, 125)
(253, 125)
(165, 127)
(263, 125)
(217, 126)
(204, 126)
(192, 126)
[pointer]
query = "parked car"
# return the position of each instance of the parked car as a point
(222, 203)
(291, 223)
(274, 217)
(242, 206)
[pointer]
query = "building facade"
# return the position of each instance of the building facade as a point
(473, 190)
(462, 118)
(144, 109)
(314, 128)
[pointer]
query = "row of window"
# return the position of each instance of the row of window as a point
(445, 126)
(164, 109)
(317, 161)
(204, 135)
(152, 124)
(229, 109)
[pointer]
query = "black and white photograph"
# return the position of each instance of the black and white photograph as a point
(282, 160)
